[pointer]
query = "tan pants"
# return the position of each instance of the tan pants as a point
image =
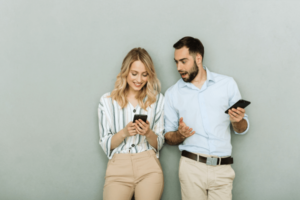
(205, 182)
(139, 173)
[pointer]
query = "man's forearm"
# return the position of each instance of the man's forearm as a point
(240, 127)
(173, 138)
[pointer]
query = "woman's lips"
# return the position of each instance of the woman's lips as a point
(137, 85)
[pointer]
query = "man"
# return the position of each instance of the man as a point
(195, 118)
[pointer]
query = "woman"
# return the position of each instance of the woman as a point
(133, 147)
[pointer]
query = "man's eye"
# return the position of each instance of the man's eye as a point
(183, 62)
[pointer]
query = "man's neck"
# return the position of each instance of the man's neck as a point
(200, 79)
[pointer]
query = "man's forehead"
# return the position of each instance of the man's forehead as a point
(181, 53)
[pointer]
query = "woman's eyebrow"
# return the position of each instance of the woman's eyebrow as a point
(138, 72)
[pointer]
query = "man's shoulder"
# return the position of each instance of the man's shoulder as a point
(221, 77)
(173, 88)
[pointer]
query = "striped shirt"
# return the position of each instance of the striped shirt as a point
(112, 119)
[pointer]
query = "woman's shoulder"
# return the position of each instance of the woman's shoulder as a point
(105, 97)
(159, 99)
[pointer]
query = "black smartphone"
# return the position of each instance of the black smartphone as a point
(142, 117)
(241, 103)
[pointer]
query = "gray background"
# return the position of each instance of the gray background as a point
(57, 57)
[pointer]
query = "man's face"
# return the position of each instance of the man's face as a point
(186, 65)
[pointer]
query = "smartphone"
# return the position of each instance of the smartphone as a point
(241, 103)
(142, 117)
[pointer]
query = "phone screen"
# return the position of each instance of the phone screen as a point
(241, 103)
(142, 117)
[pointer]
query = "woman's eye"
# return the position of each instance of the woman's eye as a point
(134, 74)
(145, 75)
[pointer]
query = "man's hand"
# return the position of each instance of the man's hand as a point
(184, 130)
(236, 115)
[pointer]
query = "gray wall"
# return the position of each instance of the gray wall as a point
(57, 57)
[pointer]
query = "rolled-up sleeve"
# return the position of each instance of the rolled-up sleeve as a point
(104, 129)
(158, 124)
(170, 114)
(234, 96)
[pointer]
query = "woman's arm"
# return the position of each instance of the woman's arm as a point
(154, 135)
(144, 129)
(109, 141)
(120, 136)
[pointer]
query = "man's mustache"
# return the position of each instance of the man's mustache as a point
(182, 72)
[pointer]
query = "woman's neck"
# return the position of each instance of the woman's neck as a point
(131, 93)
(131, 96)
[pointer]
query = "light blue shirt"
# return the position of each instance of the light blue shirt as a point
(204, 111)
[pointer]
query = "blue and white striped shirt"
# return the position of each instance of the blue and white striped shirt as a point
(112, 119)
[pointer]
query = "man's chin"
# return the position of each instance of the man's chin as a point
(186, 80)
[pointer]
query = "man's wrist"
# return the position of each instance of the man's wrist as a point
(180, 135)
(240, 126)
(234, 123)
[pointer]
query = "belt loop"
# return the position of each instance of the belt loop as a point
(197, 157)
(220, 160)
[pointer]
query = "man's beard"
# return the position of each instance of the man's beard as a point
(191, 74)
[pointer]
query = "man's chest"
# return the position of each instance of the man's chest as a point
(213, 99)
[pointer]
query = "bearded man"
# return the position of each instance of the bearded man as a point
(195, 119)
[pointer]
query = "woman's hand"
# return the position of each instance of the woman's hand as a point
(129, 130)
(142, 128)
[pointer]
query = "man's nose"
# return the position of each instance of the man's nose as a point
(179, 67)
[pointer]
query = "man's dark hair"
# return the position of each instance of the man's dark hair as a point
(193, 44)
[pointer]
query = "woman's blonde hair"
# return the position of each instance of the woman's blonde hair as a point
(150, 89)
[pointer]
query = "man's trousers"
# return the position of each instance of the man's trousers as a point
(205, 182)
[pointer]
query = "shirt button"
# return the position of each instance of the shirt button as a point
(133, 145)
(134, 110)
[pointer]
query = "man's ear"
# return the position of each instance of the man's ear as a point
(198, 59)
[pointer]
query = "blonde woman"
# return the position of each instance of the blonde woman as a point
(133, 147)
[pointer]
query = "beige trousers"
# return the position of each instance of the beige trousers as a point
(139, 173)
(204, 182)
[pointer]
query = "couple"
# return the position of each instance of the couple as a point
(191, 114)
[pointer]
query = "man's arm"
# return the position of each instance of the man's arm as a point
(177, 137)
(236, 117)
(173, 138)
(240, 127)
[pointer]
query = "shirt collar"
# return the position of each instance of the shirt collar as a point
(209, 79)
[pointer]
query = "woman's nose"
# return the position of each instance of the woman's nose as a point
(139, 79)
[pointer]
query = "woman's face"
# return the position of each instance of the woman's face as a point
(138, 76)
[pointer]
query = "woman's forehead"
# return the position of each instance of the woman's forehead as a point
(138, 66)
